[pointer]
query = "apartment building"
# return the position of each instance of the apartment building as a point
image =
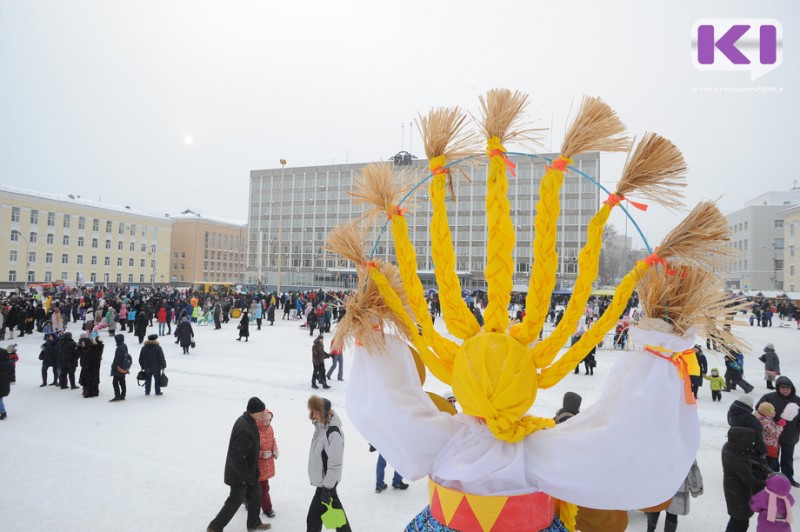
(207, 249)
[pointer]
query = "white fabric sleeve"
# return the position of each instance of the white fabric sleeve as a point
(388, 406)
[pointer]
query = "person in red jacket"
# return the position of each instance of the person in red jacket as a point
(161, 316)
(266, 461)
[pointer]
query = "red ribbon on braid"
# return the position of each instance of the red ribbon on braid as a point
(614, 199)
(560, 164)
(511, 166)
(395, 210)
(369, 264)
(437, 170)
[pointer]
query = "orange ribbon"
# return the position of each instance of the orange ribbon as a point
(614, 199)
(395, 210)
(560, 164)
(653, 259)
(681, 360)
(511, 166)
(369, 264)
(437, 170)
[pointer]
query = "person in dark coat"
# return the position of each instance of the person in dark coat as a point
(241, 469)
(152, 361)
(312, 322)
(734, 370)
(772, 365)
(217, 316)
(49, 359)
(140, 326)
(784, 394)
(119, 368)
(738, 481)
(318, 356)
(185, 334)
(90, 354)
(271, 314)
(67, 361)
(702, 361)
(244, 327)
(6, 367)
(740, 414)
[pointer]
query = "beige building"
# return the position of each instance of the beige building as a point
(47, 237)
(791, 248)
(206, 249)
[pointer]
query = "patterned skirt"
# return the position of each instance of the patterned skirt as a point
(425, 522)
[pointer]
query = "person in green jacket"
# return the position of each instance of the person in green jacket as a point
(717, 384)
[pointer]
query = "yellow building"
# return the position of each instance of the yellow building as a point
(47, 237)
(206, 249)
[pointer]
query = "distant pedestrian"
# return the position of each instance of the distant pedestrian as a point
(244, 327)
(152, 361)
(119, 368)
(772, 365)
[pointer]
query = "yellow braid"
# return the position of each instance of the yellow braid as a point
(499, 259)
(545, 257)
(407, 264)
(459, 320)
(552, 375)
(513, 431)
(545, 351)
(567, 513)
(441, 369)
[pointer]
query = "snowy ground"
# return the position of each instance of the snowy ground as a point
(156, 463)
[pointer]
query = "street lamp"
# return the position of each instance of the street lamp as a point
(280, 227)
(27, 263)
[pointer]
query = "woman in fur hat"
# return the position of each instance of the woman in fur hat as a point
(325, 459)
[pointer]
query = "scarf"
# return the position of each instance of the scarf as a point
(772, 508)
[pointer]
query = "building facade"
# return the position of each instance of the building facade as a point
(207, 249)
(47, 238)
(758, 242)
(290, 218)
(791, 248)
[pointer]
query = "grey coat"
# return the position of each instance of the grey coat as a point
(692, 485)
(771, 360)
(330, 474)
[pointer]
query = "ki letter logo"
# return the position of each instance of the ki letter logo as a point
(731, 44)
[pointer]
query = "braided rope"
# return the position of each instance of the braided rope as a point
(552, 375)
(545, 257)
(407, 264)
(499, 259)
(459, 320)
(513, 431)
(441, 369)
(546, 351)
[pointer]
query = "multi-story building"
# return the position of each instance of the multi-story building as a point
(757, 238)
(206, 249)
(46, 237)
(290, 218)
(791, 248)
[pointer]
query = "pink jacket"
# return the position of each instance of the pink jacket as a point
(774, 505)
(266, 465)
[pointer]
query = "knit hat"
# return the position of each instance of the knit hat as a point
(715, 371)
(255, 405)
(766, 409)
(152, 337)
(746, 399)
(770, 346)
(11, 348)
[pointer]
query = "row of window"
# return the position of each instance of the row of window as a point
(48, 259)
(66, 222)
(33, 238)
(48, 277)
(223, 241)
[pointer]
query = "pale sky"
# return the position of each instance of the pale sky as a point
(167, 105)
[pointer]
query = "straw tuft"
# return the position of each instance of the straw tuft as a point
(381, 187)
(700, 238)
(596, 128)
(656, 171)
(502, 116)
(445, 132)
(347, 241)
(691, 296)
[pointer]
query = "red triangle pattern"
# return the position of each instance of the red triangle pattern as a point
(526, 512)
(436, 507)
(464, 519)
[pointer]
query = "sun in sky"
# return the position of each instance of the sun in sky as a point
(188, 140)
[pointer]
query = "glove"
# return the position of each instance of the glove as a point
(325, 495)
(781, 422)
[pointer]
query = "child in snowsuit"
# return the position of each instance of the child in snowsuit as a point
(717, 384)
(772, 431)
(774, 505)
